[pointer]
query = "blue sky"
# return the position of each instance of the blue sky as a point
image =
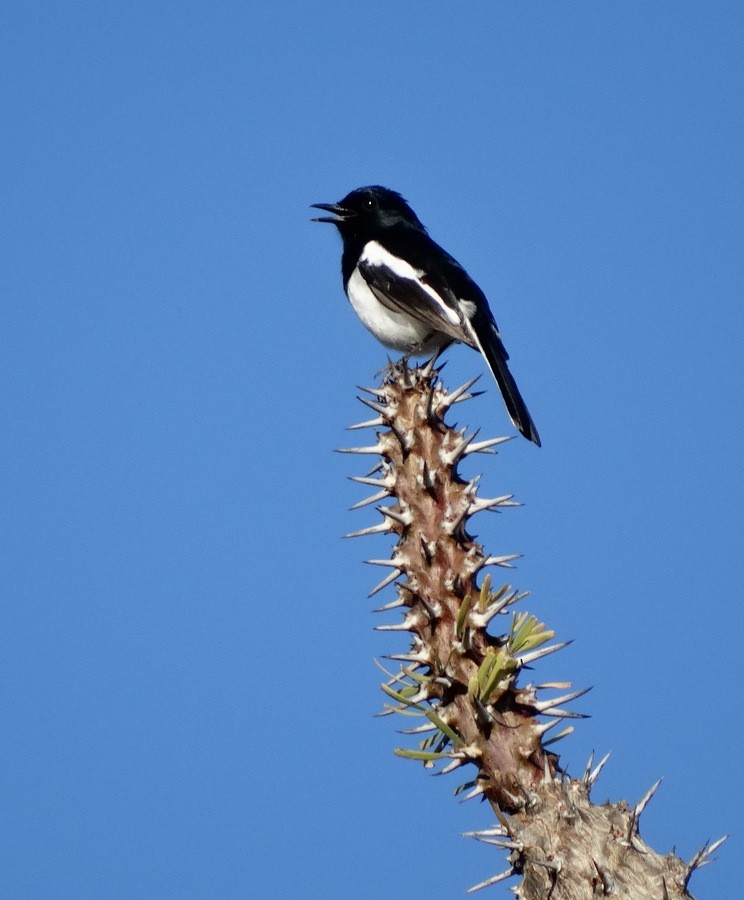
(187, 682)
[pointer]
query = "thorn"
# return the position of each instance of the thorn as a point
(502, 844)
(394, 605)
(372, 482)
(560, 736)
(422, 658)
(454, 518)
(702, 858)
(380, 528)
(375, 392)
(380, 495)
(481, 620)
(421, 729)
(545, 727)
(565, 714)
(388, 579)
(376, 450)
(471, 795)
(587, 767)
(428, 548)
(450, 457)
(494, 831)
(608, 885)
(477, 506)
(431, 416)
(405, 439)
(546, 864)
(503, 561)
(485, 446)
(428, 480)
(401, 517)
(428, 367)
(433, 610)
(483, 716)
(547, 774)
(370, 423)
(527, 658)
(455, 764)
(382, 408)
(383, 562)
(452, 398)
(593, 776)
(544, 705)
(642, 803)
(406, 625)
(489, 881)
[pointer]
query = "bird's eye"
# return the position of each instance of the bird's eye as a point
(369, 203)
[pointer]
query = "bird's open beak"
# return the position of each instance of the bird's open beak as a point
(339, 213)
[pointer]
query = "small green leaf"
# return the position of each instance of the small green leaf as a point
(422, 755)
(442, 726)
(558, 737)
(399, 696)
(462, 614)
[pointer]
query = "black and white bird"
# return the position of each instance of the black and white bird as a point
(410, 293)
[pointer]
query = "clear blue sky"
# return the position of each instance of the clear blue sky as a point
(186, 651)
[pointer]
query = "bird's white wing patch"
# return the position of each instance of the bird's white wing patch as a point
(375, 255)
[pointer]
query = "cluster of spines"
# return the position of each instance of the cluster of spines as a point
(436, 565)
(464, 686)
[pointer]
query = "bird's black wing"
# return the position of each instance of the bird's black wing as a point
(478, 327)
(408, 290)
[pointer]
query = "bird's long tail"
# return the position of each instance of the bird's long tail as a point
(489, 343)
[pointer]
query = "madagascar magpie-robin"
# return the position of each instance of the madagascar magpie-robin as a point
(410, 293)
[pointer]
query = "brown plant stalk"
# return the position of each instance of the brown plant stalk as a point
(469, 648)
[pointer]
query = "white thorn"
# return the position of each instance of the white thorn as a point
(376, 450)
(380, 495)
(485, 446)
(544, 705)
(451, 398)
(495, 831)
(450, 456)
(380, 528)
(703, 857)
(393, 605)
(370, 423)
(503, 561)
(388, 579)
(489, 881)
(489, 503)
(527, 658)
(643, 802)
(372, 482)
(587, 768)
(594, 775)
(402, 518)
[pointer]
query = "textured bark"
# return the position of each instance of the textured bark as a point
(463, 680)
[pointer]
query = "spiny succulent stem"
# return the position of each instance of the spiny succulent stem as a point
(462, 682)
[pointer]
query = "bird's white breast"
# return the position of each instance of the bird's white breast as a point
(396, 330)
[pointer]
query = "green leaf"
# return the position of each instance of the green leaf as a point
(442, 726)
(462, 614)
(422, 755)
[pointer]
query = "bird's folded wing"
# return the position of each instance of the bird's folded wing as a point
(414, 296)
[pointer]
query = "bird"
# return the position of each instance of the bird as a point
(410, 293)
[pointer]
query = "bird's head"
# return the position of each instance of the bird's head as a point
(368, 209)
